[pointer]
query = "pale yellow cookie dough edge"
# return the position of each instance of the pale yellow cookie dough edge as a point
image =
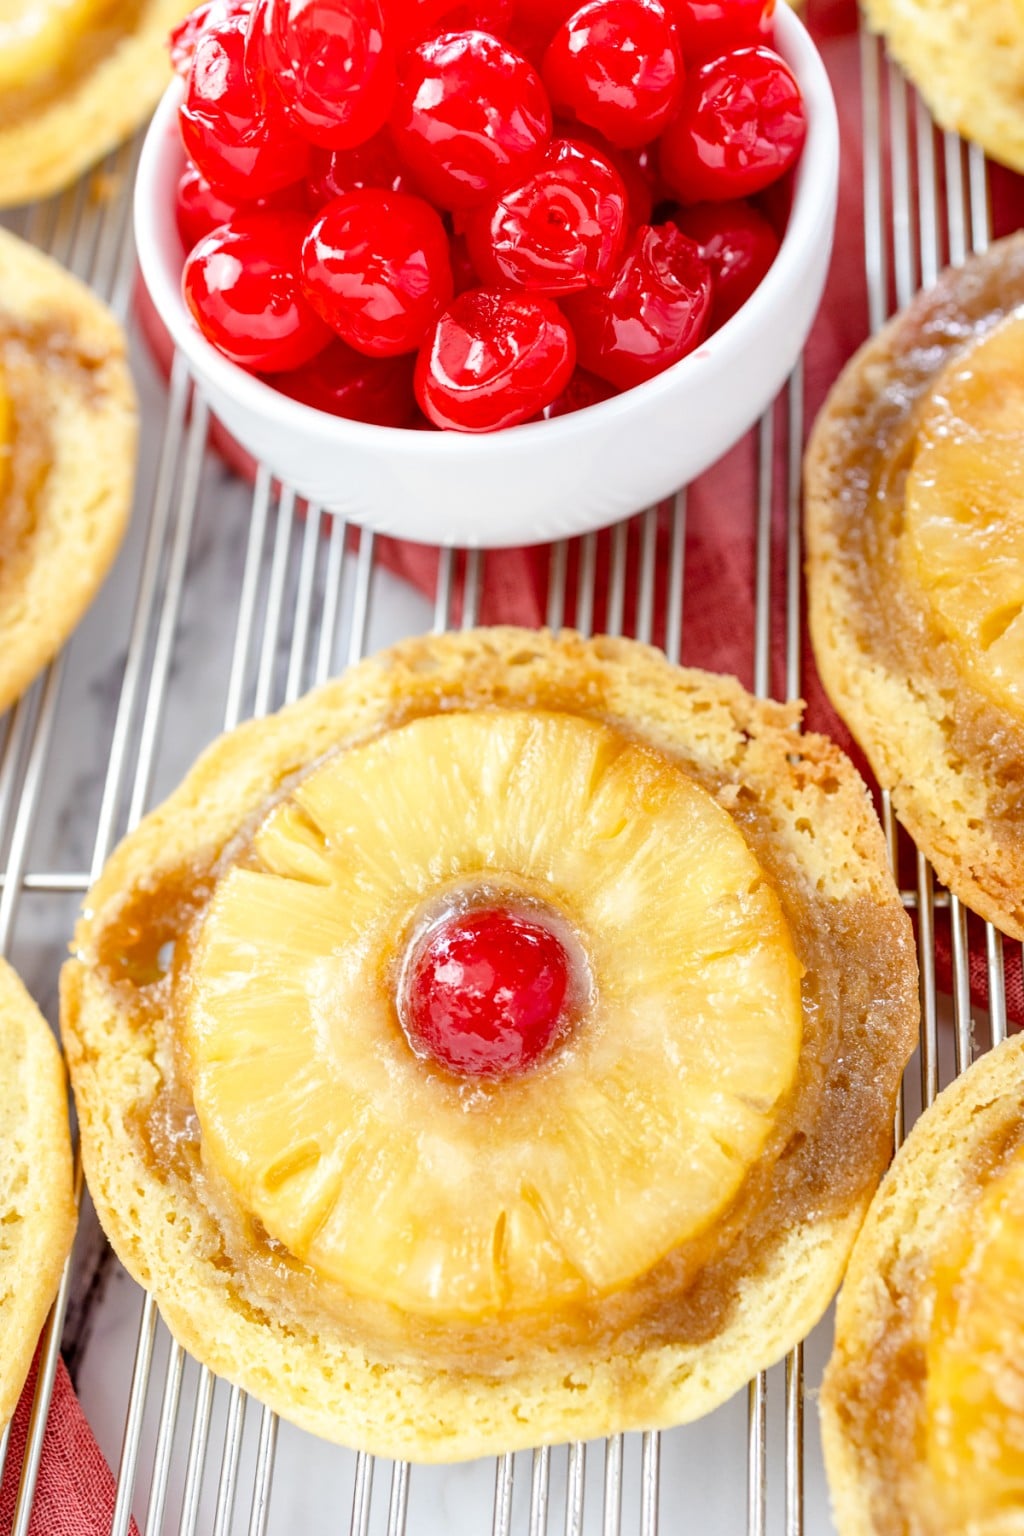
(37, 1207)
(323, 1383)
(84, 504)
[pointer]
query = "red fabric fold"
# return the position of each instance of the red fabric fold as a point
(75, 1490)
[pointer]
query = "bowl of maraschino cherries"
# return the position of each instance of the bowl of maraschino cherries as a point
(494, 272)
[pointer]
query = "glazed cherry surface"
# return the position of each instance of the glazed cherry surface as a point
(656, 310)
(560, 230)
(376, 269)
(739, 244)
(710, 27)
(470, 117)
(343, 382)
(183, 38)
(327, 62)
(484, 993)
(198, 208)
(333, 172)
(635, 166)
(741, 126)
(616, 65)
(243, 288)
(243, 148)
(494, 359)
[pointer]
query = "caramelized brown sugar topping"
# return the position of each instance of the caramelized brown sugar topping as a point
(765, 1058)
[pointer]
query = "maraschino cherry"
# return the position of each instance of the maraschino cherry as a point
(616, 65)
(710, 27)
(485, 991)
(741, 126)
(494, 359)
(470, 116)
(560, 230)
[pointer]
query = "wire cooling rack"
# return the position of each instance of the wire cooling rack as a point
(139, 688)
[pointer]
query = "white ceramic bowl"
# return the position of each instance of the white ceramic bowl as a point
(550, 479)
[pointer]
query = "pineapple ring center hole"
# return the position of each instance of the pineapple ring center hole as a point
(491, 981)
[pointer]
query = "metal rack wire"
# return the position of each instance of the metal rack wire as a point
(195, 1456)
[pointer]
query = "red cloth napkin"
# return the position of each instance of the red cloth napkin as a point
(718, 622)
(75, 1491)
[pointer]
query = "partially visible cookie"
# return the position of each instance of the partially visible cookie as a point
(67, 456)
(967, 60)
(37, 1208)
(915, 544)
(923, 1400)
(93, 91)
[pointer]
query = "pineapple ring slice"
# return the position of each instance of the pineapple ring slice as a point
(922, 1404)
(963, 535)
(327, 1125)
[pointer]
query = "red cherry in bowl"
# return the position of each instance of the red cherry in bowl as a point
(333, 172)
(740, 127)
(710, 27)
(242, 285)
(242, 147)
(471, 115)
(655, 311)
(616, 65)
(484, 993)
(343, 382)
(183, 38)
(198, 208)
(560, 230)
(494, 359)
(327, 62)
(376, 268)
(739, 244)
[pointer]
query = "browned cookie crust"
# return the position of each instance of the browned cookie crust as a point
(952, 758)
(37, 1208)
(684, 1336)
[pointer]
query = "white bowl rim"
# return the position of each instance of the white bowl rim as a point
(816, 177)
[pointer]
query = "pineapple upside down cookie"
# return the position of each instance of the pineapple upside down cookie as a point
(76, 77)
(67, 456)
(923, 1401)
(915, 539)
(37, 1205)
(496, 1047)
